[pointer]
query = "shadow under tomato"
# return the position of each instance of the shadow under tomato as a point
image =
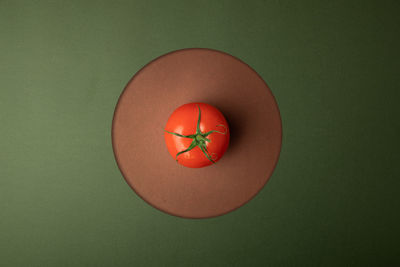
(236, 121)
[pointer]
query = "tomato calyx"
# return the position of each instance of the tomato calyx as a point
(200, 139)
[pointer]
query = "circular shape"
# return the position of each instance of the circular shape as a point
(196, 75)
(197, 135)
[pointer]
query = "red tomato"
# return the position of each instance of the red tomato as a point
(197, 135)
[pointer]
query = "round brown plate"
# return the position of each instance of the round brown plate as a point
(196, 75)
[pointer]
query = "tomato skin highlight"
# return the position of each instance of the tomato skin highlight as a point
(184, 121)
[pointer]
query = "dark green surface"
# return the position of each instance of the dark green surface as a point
(333, 67)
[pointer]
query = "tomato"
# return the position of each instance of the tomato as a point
(197, 135)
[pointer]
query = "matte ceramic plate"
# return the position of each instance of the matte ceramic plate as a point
(196, 75)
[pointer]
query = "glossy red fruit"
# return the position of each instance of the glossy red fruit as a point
(197, 135)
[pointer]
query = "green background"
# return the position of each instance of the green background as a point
(333, 67)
